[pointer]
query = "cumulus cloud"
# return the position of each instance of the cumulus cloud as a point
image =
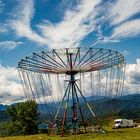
(10, 86)
(11, 89)
(10, 45)
(133, 72)
(132, 82)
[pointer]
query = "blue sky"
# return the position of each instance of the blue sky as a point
(35, 25)
(41, 23)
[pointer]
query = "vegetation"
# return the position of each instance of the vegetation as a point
(3, 116)
(118, 134)
(130, 114)
(23, 119)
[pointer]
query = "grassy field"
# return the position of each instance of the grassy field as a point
(118, 134)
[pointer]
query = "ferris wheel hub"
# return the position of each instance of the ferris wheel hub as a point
(74, 72)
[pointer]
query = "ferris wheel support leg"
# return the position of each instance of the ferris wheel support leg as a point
(65, 113)
(86, 101)
(61, 102)
(100, 125)
(80, 108)
(74, 110)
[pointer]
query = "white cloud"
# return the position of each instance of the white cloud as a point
(10, 86)
(1, 6)
(2, 28)
(121, 10)
(125, 53)
(21, 23)
(76, 24)
(78, 21)
(122, 23)
(133, 72)
(11, 89)
(127, 29)
(73, 28)
(9, 45)
(132, 81)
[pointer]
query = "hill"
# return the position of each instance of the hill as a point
(127, 106)
(3, 107)
(3, 116)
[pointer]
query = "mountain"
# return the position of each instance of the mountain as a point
(3, 116)
(130, 106)
(3, 107)
(127, 106)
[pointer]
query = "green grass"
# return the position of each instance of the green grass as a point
(118, 134)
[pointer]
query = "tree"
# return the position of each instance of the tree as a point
(24, 117)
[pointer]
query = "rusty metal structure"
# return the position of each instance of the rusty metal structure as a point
(69, 82)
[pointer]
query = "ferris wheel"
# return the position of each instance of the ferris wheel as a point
(71, 82)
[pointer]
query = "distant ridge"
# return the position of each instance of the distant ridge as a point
(3, 107)
(129, 105)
